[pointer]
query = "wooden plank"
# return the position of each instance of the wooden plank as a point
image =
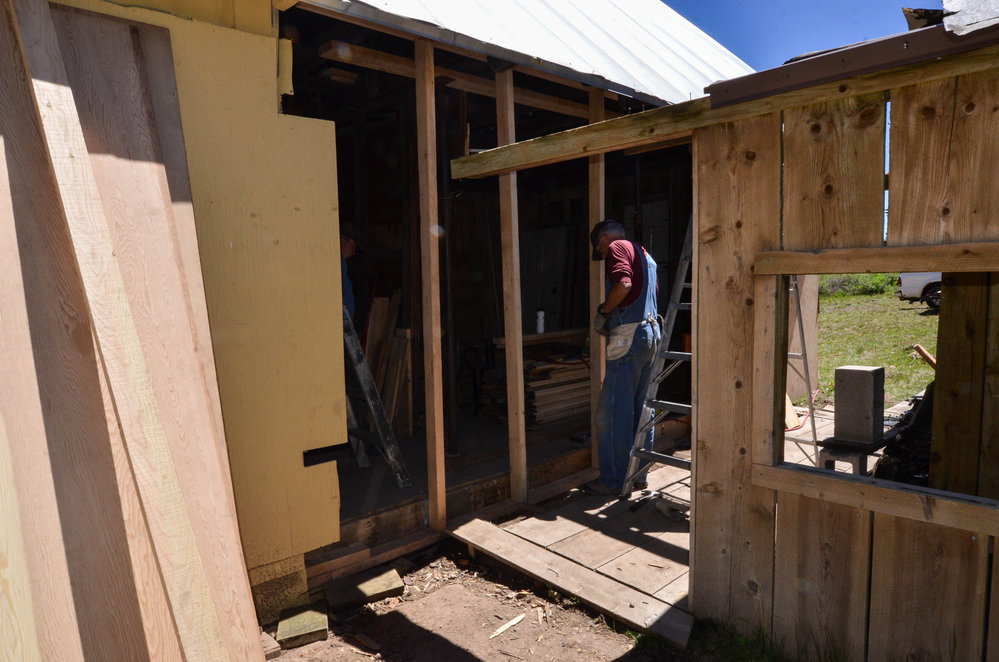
(117, 337)
(512, 324)
(958, 258)
(941, 132)
(395, 372)
(350, 555)
(770, 339)
(78, 533)
(652, 571)
(379, 554)
(367, 587)
(624, 603)
(591, 548)
(369, 58)
(833, 173)
(546, 530)
(597, 197)
(821, 577)
(562, 485)
(139, 207)
(374, 329)
(676, 592)
(988, 466)
(388, 336)
(945, 509)
(299, 627)
(907, 558)
(403, 423)
(992, 633)
(958, 391)
(738, 199)
(426, 138)
(680, 120)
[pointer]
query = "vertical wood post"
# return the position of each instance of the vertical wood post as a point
(426, 140)
(597, 205)
(513, 327)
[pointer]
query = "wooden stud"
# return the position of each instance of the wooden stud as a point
(512, 313)
(966, 257)
(426, 138)
(770, 342)
(738, 201)
(821, 574)
(679, 120)
(907, 558)
(598, 289)
(988, 465)
(958, 388)
(833, 178)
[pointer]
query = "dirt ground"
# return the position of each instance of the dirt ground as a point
(453, 606)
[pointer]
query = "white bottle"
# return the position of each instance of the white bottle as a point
(541, 321)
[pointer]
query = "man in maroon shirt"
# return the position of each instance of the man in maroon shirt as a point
(628, 318)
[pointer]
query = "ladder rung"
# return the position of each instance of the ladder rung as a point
(653, 456)
(794, 355)
(676, 356)
(683, 305)
(672, 406)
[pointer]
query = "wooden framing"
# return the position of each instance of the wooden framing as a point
(510, 242)
(821, 559)
(459, 80)
(597, 204)
(426, 133)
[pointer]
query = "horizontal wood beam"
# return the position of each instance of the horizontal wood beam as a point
(922, 504)
(975, 256)
(368, 58)
(680, 120)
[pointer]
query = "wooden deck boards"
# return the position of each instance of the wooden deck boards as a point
(610, 557)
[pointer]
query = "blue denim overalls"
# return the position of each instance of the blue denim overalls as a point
(622, 396)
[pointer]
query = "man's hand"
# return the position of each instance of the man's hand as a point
(601, 322)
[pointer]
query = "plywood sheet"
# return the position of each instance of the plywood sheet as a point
(909, 559)
(738, 200)
(833, 173)
(820, 578)
(941, 133)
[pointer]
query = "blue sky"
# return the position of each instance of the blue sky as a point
(765, 33)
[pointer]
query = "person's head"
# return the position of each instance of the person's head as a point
(348, 241)
(602, 234)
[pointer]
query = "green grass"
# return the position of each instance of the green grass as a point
(875, 330)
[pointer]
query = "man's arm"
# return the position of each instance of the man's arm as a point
(616, 295)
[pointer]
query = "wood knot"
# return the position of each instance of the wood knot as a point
(710, 234)
(969, 107)
(928, 112)
(816, 128)
(828, 189)
(749, 155)
(868, 116)
(710, 488)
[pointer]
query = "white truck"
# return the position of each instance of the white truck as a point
(920, 286)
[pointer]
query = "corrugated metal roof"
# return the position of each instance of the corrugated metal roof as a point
(640, 48)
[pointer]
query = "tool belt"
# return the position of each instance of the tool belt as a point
(620, 338)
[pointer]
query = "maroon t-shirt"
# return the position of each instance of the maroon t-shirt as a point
(624, 265)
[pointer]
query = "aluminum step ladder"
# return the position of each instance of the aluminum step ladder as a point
(382, 437)
(664, 363)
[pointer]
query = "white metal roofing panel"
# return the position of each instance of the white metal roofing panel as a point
(641, 48)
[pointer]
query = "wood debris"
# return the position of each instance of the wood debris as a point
(506, 626)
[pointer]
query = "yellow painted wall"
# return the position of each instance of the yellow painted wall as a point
(247, 15)
(265, 201)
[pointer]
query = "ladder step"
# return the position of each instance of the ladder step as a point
(672, 406)
(683, 305)
(676, 356)
(653, 456)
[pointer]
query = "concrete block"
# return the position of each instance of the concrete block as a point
(860, 404)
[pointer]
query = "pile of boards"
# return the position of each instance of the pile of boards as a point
(557, 390)
(389, 353)
(118, 534)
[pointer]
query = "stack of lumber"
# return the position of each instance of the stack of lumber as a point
(389, 353)
(119, 533)
(557, 390)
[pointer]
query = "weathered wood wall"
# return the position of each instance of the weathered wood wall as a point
(823, 561)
